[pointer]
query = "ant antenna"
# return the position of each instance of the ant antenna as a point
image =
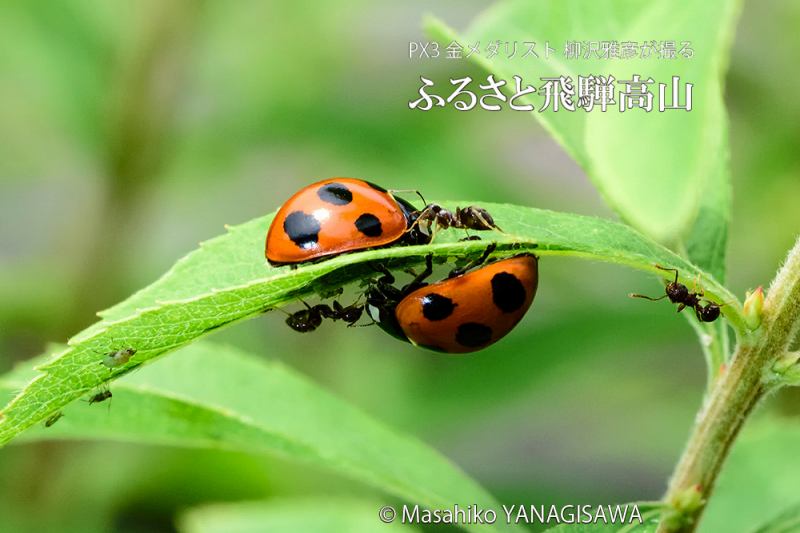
(415, 191)
(669, 270)
(634, 295)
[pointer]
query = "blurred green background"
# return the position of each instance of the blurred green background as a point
(132, 131)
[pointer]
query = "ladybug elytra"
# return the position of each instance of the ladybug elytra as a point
(464, 313)
(339, 215)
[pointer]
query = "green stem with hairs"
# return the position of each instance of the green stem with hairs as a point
(732, 398)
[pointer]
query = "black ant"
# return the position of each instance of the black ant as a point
(310, 318)
(470, 217)
(679, 294)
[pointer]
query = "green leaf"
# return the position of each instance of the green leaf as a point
(759, 478)
(786, 522)
(329, 515)
(706, 244)
(214, 396)
(651, 167)
(227, 280)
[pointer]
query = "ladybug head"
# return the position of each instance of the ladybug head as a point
(414, 234)
(382, 298)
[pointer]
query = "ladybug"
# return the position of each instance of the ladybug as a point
(339, 215)
(464, 313)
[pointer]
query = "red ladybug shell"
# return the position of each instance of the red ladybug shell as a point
(471, 311)
(333, 216)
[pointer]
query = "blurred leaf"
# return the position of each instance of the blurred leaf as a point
(227, 280)
(651, 167)
(328, 515)
(219, 397)
(787, 522)
(706, 244)
(759, 478)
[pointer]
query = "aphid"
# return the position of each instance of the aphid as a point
(468, 311)
(117, 358)
(679, 294)
(52, 419)
(339, 215)
(310, 318)
(101, 396)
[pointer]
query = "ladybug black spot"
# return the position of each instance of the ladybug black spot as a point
(472, 334)
(302, 229)
(437, 307)
(369, 225)
(335, 193)
(508, 293)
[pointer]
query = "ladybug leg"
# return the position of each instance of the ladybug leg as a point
(469, 266)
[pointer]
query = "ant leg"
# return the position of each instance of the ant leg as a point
(426, 215)
(694, 287)
(669, 270)
(435, 227)
(469, 266)
(387, 276)
(418, 281)
(415, 223)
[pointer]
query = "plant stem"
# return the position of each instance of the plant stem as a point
(732, 399)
